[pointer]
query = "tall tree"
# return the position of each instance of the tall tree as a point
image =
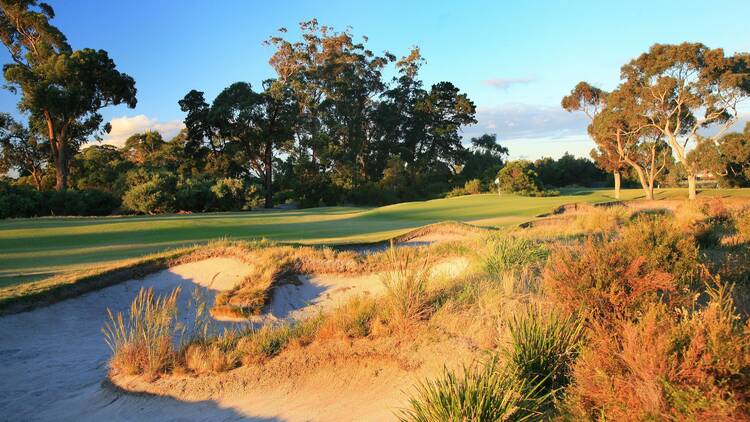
(22, 150)
(337, 81)
(61, 88)
(727, 158)
(618, 128)
(255, 124)
(591, 100)
(681, 89)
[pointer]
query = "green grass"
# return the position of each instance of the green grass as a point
(32, 249)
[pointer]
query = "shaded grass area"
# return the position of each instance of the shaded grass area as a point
(35, 249)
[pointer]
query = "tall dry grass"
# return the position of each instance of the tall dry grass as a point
(406, 283)
(142, 340)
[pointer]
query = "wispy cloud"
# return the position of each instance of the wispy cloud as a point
(505, 83)
(533, 131)
(123, 127)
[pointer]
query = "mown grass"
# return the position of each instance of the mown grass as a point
(34, 249)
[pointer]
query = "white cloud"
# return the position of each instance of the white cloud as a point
(533, 131)
(527, 121)
(123, 127)
(505, 83)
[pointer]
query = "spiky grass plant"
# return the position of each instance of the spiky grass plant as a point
(506, 253)
(406, 286)
(543, 347)
(142, 340)
(477, 393)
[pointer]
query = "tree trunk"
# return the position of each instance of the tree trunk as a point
(617, 184)
(642, 178)
(692, 191)
(267, 163)
(61, 172)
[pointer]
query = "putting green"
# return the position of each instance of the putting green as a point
(32, 249)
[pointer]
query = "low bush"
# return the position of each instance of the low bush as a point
(663, 247)
(507, 253)
(18, 201)
(688, 366)
(478, 393)
(603, 281)
(473, 187)
(157, 195)
(543, 348)
(142, 341)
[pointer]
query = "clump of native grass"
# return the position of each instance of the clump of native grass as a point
(406, 283)
(543, 348)
(504, 254)
(142, 340)
(482, 392)
(527, 386)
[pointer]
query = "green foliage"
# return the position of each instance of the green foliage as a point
(543, 348)
(151, 197)
(62, 89)
(569, 171)
(519, 177)
(228, 194)
(478, 393)
(507, 253)
(17, 201)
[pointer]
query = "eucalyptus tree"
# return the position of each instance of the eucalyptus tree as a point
(618, 128)
(253, 125)
(337, 82)
(22, 150)
(591, 101)
(62, 89)
(727, 158)
(681, 89)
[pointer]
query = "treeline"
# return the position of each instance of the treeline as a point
(668, 100)
(328, 129)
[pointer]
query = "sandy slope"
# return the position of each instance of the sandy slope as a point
(54, 360)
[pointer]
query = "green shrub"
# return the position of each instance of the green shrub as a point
(543, 348)
(506, 253)
(155, 196)
(19, 201)
(228, 195)
(194, 194)
(519, 177)
(479, 393)
(473, 187)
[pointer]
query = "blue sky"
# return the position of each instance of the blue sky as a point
(515, 59)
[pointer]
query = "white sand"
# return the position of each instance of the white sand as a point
(327, 291)
(54, 358)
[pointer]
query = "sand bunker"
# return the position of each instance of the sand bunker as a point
(317, 293)
(54, 358)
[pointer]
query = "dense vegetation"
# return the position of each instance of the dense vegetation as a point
(603, 313)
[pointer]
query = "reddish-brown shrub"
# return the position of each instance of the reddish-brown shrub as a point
(602, 281)
(689, 366)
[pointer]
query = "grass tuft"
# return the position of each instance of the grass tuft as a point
(141, 342)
